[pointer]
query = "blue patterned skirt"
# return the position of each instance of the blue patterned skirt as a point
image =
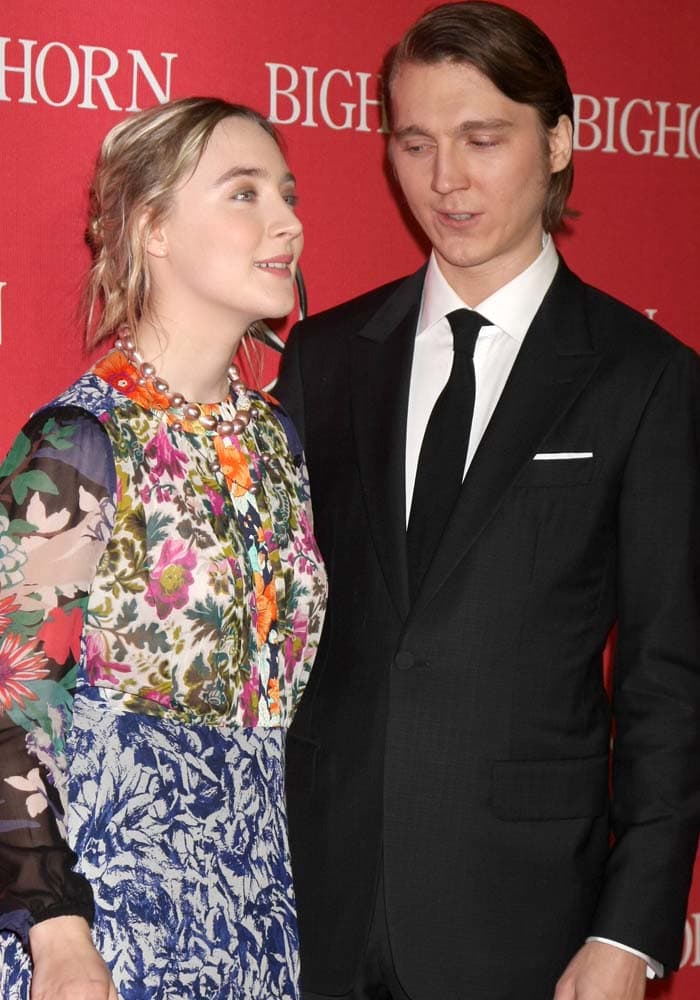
(181, 831)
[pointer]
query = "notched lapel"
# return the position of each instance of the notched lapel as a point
(555, 362)
(382, 353)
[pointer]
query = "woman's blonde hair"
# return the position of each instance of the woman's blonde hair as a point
(142, 161)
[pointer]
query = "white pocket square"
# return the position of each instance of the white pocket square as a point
(559, 456)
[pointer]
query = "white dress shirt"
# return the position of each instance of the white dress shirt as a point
(510, 311)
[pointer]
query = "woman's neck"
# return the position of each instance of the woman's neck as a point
(195, 365)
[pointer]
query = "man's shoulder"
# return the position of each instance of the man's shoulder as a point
(619, 328)
(353, 314)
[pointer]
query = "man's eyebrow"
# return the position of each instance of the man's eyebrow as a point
(470, 125)
(402, 133)
(242, 171)
(483, 125)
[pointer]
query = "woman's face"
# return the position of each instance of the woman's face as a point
(229, 248)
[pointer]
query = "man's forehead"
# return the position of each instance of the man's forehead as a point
(452, 99)
(449, 83)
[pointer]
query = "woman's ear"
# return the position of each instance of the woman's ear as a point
(155, 241)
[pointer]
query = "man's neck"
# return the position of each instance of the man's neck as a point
(477, 282)
(511, 307)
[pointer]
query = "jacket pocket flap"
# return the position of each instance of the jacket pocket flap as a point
(549, 789)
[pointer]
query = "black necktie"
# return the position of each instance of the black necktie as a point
(443, 453)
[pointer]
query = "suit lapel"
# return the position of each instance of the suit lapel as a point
(381, 357)
(554, 363)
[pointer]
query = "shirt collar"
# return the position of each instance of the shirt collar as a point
(511, 308)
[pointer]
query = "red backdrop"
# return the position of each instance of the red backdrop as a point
(70, 69)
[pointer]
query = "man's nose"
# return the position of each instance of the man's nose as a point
(449, 172)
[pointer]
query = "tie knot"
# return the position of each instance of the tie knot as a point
(465, 324)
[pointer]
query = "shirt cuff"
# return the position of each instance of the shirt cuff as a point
(654, 969)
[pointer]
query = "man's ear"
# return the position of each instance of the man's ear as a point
(561, 142)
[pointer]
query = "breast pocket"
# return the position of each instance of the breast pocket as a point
(558, 469)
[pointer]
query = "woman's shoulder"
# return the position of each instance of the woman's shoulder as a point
(89, 393)
(69, 430)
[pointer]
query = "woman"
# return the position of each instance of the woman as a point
(161, 594)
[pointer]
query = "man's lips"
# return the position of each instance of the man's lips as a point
(456, 218)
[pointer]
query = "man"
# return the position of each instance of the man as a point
(453, 834)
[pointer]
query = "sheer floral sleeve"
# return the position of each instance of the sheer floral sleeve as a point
(57, 488)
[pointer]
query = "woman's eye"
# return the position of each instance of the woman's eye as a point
(292, 199)
(246, 195)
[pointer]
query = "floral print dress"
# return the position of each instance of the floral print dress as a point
(161, 599)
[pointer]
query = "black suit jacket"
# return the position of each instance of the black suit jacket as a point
(468, 736)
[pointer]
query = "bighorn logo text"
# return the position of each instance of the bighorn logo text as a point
(324, 96)
(639, 127)
(339, 99)
(57, 75)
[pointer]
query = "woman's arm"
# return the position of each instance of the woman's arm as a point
(56, 508)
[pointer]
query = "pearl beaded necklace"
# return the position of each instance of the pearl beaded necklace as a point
(178, 403)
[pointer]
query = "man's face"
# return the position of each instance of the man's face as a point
(474, 167)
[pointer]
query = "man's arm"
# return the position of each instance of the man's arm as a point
(656, 679)
(656, 700)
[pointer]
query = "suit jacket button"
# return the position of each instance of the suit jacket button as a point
(404, 660)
